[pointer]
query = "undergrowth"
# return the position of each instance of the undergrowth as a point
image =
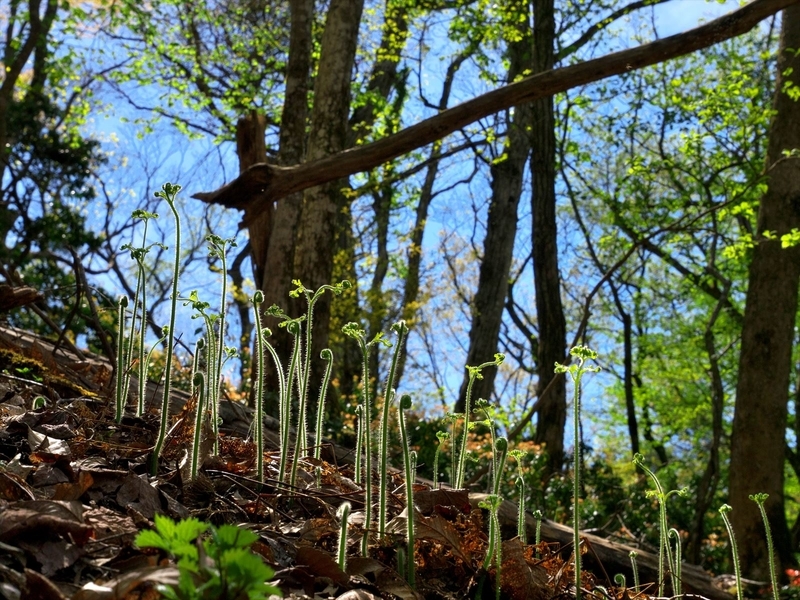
(459, 446)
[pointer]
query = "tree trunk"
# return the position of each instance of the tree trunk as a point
(762, 392)
(501, 229)
(314, 253)
(275, 280)
(547, 281)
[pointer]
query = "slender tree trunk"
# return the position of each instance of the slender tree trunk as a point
(762, 392)
(547, 281)
(501, 227)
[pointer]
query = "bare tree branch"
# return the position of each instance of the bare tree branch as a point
(265, 183)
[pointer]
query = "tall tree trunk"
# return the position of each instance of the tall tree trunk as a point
(315, 249)
(547, 282)
(275, 278)
(762, 392)
(501, 228)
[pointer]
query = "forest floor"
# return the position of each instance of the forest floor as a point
(75, 491)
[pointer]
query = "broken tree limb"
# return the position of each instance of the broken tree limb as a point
(606, 555)
(264, 183)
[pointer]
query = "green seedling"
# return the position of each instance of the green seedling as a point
(199, 382)
(217, 248)
(676, 569)
(364, 442)
(443, 437)
(537, 514)
(343, 513)
(122, 362)
(473, 374)
(258, 299)
(199, 347)
(576, 372)
(635, 569)
(495, 549)
(409, 466)
(522, 530)
(39, 402)
(760, 499)
(140, 299)
(665, 558)
(499, 457)
(327, 356)
(301, 438)
(401, 330)
(222, 566)
(737, 567)
(454, 418)
(169, 192)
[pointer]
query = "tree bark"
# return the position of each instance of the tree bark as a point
(275, 279)
(501, 227)
(762, 392)
(547, 280)
(314, 252)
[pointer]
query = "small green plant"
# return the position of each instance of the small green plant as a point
(576, 371)
(473, 374)
(522, 530)
(537, 514)
(364, 442)
(760, 499)
(217, 248)
(198, 381)
(494, 552)
(665, 558)
(122, 363)
(327, 356)
(443, 437)
(408, 464)
(343, 513)
(258, 299)
(737, 567)
(169, 193)
(226, 569)
(401, 330)
(634, 567)
(676, 569)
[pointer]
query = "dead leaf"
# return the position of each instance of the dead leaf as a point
(121, 587)
(14, 488)
(321, 564)
(435, 528)
(518, 579)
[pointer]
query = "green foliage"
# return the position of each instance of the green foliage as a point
(222, 566)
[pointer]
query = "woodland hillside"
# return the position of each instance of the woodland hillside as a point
(397, 190)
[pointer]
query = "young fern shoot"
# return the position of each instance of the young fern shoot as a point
(169, 192)
(401, 330)
(122, 362)
(354, 331)
(474, 373)
(327, 356)
(199, 382)
(576, 371)
(760, 499)
(737, 565)
(409, 467)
